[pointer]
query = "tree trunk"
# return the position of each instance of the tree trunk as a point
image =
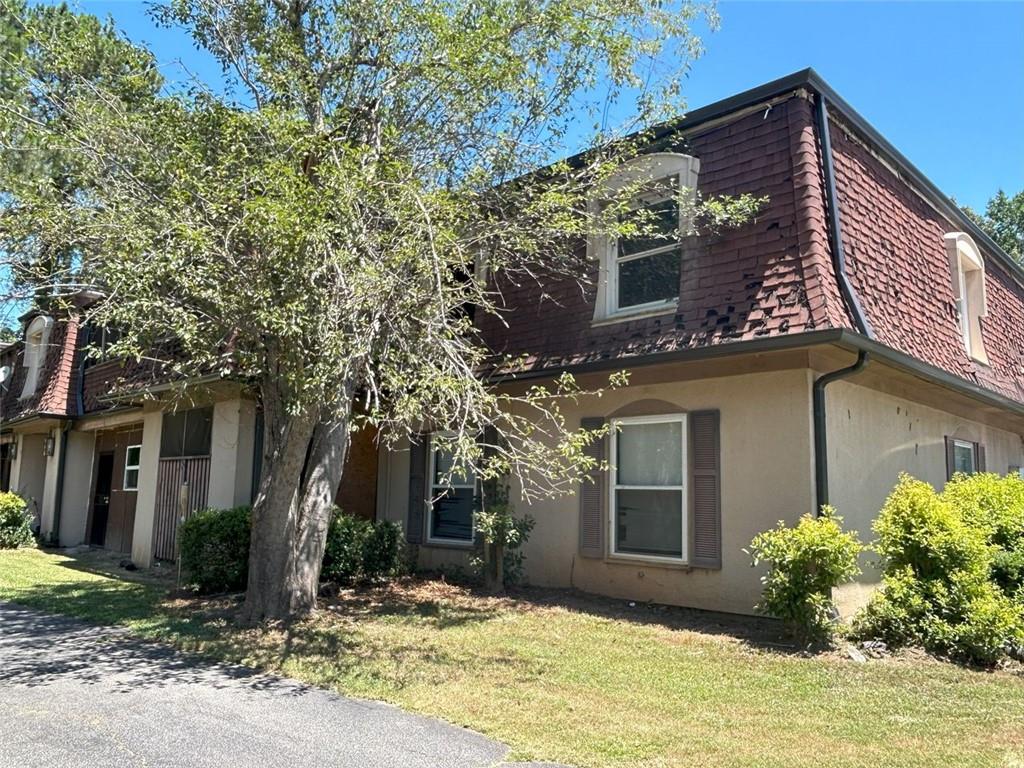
(303, 457)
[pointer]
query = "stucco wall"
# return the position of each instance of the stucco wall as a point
(74, 513)
(766, 476)
(872, 437)
(29, 473)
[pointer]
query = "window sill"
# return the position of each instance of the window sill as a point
(622, 317)
(448, 544)
(649, 562)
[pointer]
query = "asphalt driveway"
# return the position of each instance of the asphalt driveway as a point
(72, 694)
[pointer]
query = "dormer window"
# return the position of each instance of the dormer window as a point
(967, 272)
(37, 336)
(640, 273)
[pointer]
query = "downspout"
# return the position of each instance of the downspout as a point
(835, 232)
(58, 502)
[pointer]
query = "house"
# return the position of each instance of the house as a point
(859, 327)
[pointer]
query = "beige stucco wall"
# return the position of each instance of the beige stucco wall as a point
(29, 472)
(145, 504)
(231, 453)
(873, 436)
(74, 513)
(766, 476)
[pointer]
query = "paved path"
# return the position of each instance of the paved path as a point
(72, 694)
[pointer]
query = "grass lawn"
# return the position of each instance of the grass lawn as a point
(581, 680)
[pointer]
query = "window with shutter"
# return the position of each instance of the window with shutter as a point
(647, 489)
(964, 456)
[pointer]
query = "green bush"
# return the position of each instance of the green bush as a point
(360, 549)
(502, 535)
(994, 507)
(942, 565)
(805, 563)
(214, 549)
(15, 522)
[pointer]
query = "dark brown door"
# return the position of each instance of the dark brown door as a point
(101, 499)
(123, 449)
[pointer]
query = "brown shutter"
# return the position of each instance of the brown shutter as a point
(706, 547)
(950, 458)
(419, 454)
(981, 457)
(592, 497)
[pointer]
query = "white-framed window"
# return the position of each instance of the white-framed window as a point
(640, 274)
(37, 337)
(967, 272)
(648, 494)
(132, 459)
(965, 457)
(452, 499)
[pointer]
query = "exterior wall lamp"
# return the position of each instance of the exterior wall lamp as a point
(48, 445)
(12, 449)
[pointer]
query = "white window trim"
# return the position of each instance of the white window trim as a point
(37, 339)
(613, 486)
(604, 249)
(127, 466)
(430, 504)
(973, 447)
(967, 274)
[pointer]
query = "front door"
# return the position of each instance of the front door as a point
(101, 499)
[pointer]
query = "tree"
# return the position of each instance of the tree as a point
(314, 230)
(1003, 221)
(49, 55)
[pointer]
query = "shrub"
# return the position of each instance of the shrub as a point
(360, 549)
(939, 587)
(15, 522)
(214, 549)
(994, 507)
(805, 563)
(503, 535)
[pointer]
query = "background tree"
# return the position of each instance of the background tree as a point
(314, 230)
(49, 55)
(1003, 221)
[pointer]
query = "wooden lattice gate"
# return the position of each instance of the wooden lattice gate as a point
(181, 489)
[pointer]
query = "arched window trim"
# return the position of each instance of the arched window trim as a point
(603, 248)
(37, 337)
(967, 275)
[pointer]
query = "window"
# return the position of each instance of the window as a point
(131, 467)
(965, 457)
(967, 270)
(452, 498)
(640, 274)
(186, 433)
(648, 499)
(37, 336)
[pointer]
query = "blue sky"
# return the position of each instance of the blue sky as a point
(943, 81)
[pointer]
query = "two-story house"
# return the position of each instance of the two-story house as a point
(858, 327)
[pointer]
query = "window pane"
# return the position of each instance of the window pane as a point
(649, 454)
(649, 523)
(452, 516)
(172, 435)
(131, 479)
(963, 457)
(132, 458)
(198, 428)
(650, 278)
(443, 465)
(659, 225)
